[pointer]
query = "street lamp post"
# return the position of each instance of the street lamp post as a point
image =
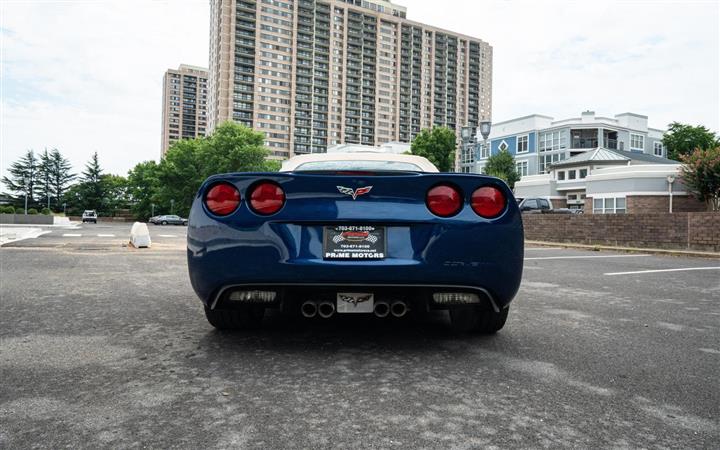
(465, 135)
(172, 206)
(152, 209)
(64, 208)
(670, 179)
(485, 126)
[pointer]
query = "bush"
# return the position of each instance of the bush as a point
(46, 212)
(7, 209)
(32, 211)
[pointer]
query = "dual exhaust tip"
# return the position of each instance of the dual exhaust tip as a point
(326, 309)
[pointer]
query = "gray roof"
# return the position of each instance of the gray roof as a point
(605, 155)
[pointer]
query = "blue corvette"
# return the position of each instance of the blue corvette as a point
(348, 233)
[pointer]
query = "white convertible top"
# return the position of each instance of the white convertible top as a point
(420, 162)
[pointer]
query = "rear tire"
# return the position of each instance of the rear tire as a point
(164, 222)
(235, 319)
(476, 319)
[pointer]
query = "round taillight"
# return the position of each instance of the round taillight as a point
(267, 198)
(488, 202)
(222, 199)
(444, 201)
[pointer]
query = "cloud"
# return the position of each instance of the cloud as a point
(87, 76)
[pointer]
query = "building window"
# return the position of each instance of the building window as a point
(522, 144)
(658, 148)
(571, 174)
(611, 205)
(551, 141)
(583, 173)
(546, 160)
(522, 168)
(637, 142)
(561, 175)
(484, 151)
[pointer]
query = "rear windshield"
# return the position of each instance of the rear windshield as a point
(358, 165)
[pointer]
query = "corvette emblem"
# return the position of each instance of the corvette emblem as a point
(354, 193)
(355, 299)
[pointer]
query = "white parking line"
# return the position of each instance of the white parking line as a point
(586, 256)
(106, 235)
(71, 235)
(682, 269)
(166, 235)
(543, 248)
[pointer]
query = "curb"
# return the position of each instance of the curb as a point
(656, 251)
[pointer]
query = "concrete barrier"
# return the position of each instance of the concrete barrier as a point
(29, 219)
(140, 235)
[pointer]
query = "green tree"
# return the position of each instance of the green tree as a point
(60, 175)
(188, 162)
(89, 193)
(45, 192)
(115, 193)
(502, 165)
(682, 139)
(143, 187)
(701, 174)
(437, 145)
(23, 177)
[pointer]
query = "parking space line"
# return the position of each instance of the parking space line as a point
(585, 257)
(166, 235)
(543, 248)
(681, 269)
(71, 235)
(106, 235)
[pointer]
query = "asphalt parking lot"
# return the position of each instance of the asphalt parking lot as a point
(106, 346)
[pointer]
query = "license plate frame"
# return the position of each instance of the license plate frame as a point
(354, 302)
(354, 242)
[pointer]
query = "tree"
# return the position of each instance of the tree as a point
(115, 193)
(437, 145)
(142, 188)
(502, 165)
(188, 162)
(23, 176)
(701, 174)
(89, 193)
(44, 178)
(60, 175)
(682, 139)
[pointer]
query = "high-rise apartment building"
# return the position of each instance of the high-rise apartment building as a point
(185, 93)
(316, 73)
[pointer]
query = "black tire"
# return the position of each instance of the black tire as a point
(164, 222)
(476, 319)
(235, 319)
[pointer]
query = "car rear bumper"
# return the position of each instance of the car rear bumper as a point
(483, 257)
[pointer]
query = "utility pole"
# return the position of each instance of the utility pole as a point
(25, 182)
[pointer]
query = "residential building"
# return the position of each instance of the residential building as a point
(603, 181)
(537, 142)
(184, 113)
(316, 73)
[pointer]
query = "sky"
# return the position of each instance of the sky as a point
(86, 76)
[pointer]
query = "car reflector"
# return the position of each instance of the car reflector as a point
(267, 198)
(488, 202)
(444, 200)
(222, 199)
(252, 296)
(455, 298)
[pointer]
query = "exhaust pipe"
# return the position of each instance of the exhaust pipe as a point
(381, 309)
(398, 309)
(309, 309)
(326, 309)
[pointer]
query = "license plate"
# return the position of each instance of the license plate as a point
(354, 242)
(354, 302)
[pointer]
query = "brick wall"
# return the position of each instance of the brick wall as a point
(694, 231)
(643, 204)
(558, 203)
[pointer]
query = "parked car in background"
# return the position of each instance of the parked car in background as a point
(341, 233)
(89, 215)
(168, 220)
(541, 205)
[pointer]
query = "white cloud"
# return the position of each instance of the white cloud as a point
(87, 76)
